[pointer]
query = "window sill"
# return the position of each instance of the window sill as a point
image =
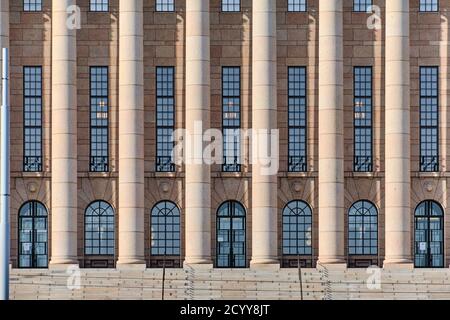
(308, 174)
(431, 174)
(31, 174)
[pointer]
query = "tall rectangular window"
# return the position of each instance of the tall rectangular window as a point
(165, 5)
(297, 118)
(363, 161)
(429, 6)
(32, 117)
(99, 120)
(361, 5)
(231, 118)
(32, 5)
(231, 5)
(297, 5)
(99, 5)
(429, 119)
(165, 118)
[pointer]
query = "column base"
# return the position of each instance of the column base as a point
(265, 263)
(63, 267)
(332, 263)
(274, 266)
(197, 261)
(131, 263)
(405, 264)
(202, 266)
(59, 264)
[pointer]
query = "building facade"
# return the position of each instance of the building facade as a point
(357, 92)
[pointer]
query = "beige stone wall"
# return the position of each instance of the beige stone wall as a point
(164, 45)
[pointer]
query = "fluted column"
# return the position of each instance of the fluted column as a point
(398, 185)
(331, 133)
(131, 133)
(264, 118)
(198, 174)
(64, 137)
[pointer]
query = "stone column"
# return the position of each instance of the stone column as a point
(64, 137)
(131, 133)
(264, 117)
(331, 133)
(198, 96)
(398, 183)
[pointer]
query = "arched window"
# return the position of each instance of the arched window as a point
(429, 235)
(33, 239)
(297, 228)
(99, 229)
(165, 229)
(231, 232)
(363, 229)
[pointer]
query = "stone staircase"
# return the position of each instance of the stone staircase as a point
(239, 284)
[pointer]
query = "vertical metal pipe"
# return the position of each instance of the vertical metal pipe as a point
(4, 185)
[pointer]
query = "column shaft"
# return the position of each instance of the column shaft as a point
(64, 137)
(331, 133)
(398, 185)
(264, 118)
(198, 96)
(131, 133)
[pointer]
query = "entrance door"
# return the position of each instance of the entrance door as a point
(33, 240)
(429, 235)
(231, 236)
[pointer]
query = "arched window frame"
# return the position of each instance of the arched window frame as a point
(106, 246)
(232, 207)
(34, 246)
(370, 249)
(429, 207)
(170, 242)
(295, 221)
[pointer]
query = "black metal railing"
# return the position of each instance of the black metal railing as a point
(164, 164)
(429, 164)
(363, 164)
(297, 164)
(99, 164)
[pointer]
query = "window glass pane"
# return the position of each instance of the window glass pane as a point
(33, 236)
(429, 119)
(32, 5)
(297, 227)
(231, 5)
(165, 5)
(231, 118)
(361, 239)
(429, 5)
(363, 161)
(297, 119)
(32, 119)
(231, 235)
(361, 5)
(99, 229)
(99, 123)
(429, 235)
(165, 118)
(99, 5)
(297, 5)
(165, 229)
